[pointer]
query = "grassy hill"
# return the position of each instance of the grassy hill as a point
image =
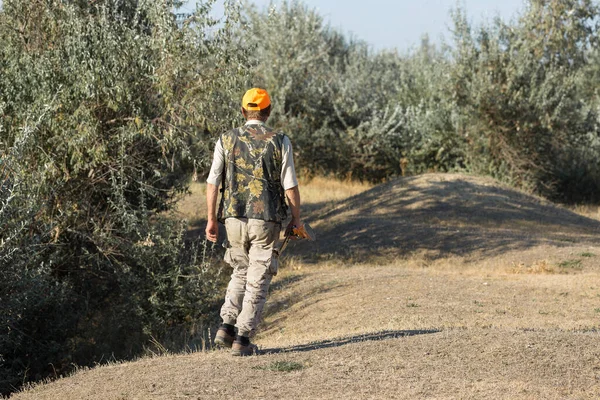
(436, 286)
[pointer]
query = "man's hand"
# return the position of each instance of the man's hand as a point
(212, 230)
(294, 223)
(293, 196)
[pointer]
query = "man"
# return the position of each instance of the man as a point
(256, 167)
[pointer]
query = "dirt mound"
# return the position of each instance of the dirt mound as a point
(443, 215)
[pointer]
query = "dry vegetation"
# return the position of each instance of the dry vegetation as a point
(437, 286)
(317, 191)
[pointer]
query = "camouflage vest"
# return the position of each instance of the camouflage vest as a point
(252, 182)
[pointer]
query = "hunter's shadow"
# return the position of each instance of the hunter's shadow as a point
(325, 344)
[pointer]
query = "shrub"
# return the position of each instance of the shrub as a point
(351, 112)
(105, 110)
(522, 91)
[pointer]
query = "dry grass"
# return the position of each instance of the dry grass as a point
(440, 286)
(538, 267)
(323, 190)
(453, 364)
(193, 206)
(316, 191)
(586, 210)
(332, 302)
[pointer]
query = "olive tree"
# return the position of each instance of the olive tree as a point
(522, 89)
(106, 109)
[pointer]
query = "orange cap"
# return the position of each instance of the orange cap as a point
(256, 99)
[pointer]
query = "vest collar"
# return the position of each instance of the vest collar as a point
(255, 122)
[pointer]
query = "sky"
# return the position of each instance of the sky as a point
(400, 24)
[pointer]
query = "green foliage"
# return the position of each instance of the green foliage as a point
(571, 264)
(282, 366)
(292, 55)
(509, 100)
(105, 110)
(352, 112)
(521, 93)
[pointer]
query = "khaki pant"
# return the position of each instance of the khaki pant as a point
(250, 254)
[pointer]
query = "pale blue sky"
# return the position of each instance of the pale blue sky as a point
(401, 23)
